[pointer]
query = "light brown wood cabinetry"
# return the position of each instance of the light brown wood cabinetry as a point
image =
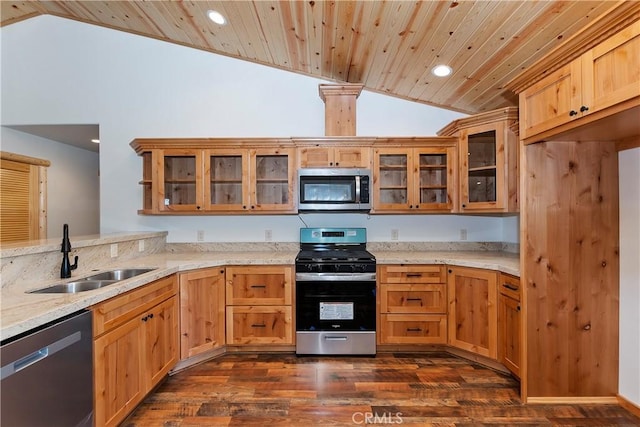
(135, 346)
(202, 311)
(259, 305)
(596, 82)
(488, 159)
(509, 321)
(414, 179)
(325, 152)
(473, 310)
(413, 304)
(209, 176)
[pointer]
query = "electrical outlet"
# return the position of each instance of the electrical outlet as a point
(394, 234)
(140, 245)
(114, 250)
(463, 234)
(268, 235)
(200, 236)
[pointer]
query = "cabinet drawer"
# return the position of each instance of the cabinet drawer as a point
(263, 285)
(413, 329)
(510, 286)
(413, 298)
(259, 325)
(118, 310)
(413, 274)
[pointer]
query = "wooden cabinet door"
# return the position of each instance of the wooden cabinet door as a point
(610, 70)
(393, 179)
(272, 178)
(509, 333)
(259, 285)
(161, 344)
(314, 157)
(551, 102)
(118, 373)
(352, 157)
(178, 180)
(226, 180)
(472, 310)
(201, 311)
(434, 175)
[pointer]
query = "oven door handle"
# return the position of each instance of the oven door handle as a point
(335, 277)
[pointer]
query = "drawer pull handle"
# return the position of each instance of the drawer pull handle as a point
(335, 338)
(414, 299)
(258, 286)
(258, 325)
(414, 330)
(510, 287)
(414, 274)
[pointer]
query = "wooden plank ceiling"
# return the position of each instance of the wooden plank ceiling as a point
(388, 46)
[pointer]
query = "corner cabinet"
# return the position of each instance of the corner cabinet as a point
(410, 178)
(488, 158)
(215, 176)
(595, 82)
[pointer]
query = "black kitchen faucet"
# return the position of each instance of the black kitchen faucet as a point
(65, 269)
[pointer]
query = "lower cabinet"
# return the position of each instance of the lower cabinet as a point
(259, 305)
(202, 305)
(413, 304)
(135, 346)
(509, 348)
(473, 317)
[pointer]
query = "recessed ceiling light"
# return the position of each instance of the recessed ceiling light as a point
(97, 141)
(441, 70)
(216, 17)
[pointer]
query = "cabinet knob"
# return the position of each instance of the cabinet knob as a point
(244, 207)
(573, 113)
(450, 271)
(518, 308)
(464, 205)
(584, 108)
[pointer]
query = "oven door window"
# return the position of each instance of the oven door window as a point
(319, 189)
(335, 306)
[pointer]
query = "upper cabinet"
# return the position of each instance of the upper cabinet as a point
(601, 82)
(216, 176)
(414, 177)
(343, 152)
(488, 159)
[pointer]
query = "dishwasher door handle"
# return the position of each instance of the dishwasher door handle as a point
(38, 355)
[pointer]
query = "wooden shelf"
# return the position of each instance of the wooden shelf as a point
(483, 168)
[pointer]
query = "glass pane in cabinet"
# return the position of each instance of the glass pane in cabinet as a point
(147, 187)
(226, 180)
(433, 195)
(393, 196)
(179, 180)
(482, 185)
(482, 149)
(272, 179)
(433, 178)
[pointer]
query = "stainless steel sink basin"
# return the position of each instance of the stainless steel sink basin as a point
(95, 281)
(121, 274)
(74, 287)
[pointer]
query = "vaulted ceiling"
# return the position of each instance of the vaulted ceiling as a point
(388, 46)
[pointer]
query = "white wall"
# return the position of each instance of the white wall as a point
(57, 71)
(629, 381)
(73, 182)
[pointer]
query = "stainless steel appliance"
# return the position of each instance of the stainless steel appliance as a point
(335, 293)
(47, 375)
(334, 190)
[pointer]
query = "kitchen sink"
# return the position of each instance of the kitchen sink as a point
(95, 281)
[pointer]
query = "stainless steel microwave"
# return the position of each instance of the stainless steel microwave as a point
(334, 190)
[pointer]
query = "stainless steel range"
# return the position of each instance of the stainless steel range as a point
(335, 293)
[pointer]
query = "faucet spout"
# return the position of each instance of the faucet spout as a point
(65, 269)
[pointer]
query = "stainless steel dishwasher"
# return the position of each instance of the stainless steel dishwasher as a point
(47, 375)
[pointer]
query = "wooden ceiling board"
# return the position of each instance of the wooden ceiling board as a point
(387, 46)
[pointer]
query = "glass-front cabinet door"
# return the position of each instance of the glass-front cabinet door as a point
(272, 179)
(227, 180)
(393, 180)
(434, 178)
(180, 177)
(482, 157)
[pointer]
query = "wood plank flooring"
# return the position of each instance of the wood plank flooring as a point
(423, 389)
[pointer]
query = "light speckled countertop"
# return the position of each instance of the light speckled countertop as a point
(21, 311)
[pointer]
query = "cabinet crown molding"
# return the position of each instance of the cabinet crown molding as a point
(507, 113)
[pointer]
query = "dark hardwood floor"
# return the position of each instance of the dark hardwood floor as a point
(424, 389)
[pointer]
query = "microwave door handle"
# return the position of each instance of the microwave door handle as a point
(358, 189)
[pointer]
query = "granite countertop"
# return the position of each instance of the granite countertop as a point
(21, 311)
